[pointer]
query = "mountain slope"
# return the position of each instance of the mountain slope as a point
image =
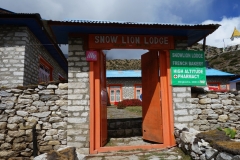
(224, 61)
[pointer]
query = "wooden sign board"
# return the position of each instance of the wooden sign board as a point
(110, 41)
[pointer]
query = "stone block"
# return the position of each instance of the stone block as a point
(185, 119)
(181, 112)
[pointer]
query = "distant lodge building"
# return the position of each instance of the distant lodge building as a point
(126, 84)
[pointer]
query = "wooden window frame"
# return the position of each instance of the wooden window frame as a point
(135, 90)
(109, 92)
(44, 63)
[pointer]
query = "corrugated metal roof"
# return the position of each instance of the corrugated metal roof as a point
(235, 80)
(133, 23)
(192, 32)
(125, 73)
(137, 73)
(215, 72)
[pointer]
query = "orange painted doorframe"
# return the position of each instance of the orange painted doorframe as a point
(167, 109)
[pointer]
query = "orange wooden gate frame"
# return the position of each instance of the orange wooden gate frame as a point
(167, 110)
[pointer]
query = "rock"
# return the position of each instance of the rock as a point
(207, 111)
(2, 136)
(59, 125)
(41, 157)
(44, 109)
(237, 157)
(224, 156)
(223, 97)
(51, 132)
(6, 146)
(48, 97)
(27, 125)
(15, 119)
(50, 103)
(3, 125)
(61, 103)
(216, 106)
(214, 96)
(12, 127)
(205, 101)
(48, 138)
(61, 92)
(55, 119)
(46, 92)
(5, 94)
(45, 148)
(38, 104)
(26, 154)
(32, 119)
(19, 146)
(18, 133)
(233, 117)
(31, 109)
(54, 143)
(212, 116)
(211, 153)
(3, 118)
(35, 97)
(226, 102)
(52, 86)
(223, 118)
(25, 101)
(46, 125)
(22, 113)
(195, 148)
(216, 101)
(42, 114)
(54, 108)
(187, 137)
(202, 96)
(4, 154)
(63, 86)
(18, 139)
(203, 157)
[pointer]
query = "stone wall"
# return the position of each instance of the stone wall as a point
(216, 109)
(183, 110)
(127, 85)
(198, 148)
(44, 107)
(78, 97)
(19, 56)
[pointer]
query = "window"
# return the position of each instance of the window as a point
(45, 71)
(137, 91)
(216, 86)
(115, 93)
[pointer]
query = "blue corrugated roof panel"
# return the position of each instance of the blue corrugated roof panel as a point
(235, 80)
(137, 73)
(214, 72)
(123, 73)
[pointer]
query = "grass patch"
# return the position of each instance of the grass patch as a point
(134, 109)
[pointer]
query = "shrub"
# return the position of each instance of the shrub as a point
(130, 102)
(120, 105)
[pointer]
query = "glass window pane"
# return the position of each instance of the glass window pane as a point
(117, 95)
(112, 95)
(138, 94)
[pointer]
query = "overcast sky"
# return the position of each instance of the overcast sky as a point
(223, 12)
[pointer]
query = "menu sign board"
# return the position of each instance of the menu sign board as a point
(187, 68)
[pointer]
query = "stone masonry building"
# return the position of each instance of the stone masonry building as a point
(28, 55)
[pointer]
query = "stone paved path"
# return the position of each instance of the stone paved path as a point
(155, 154)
